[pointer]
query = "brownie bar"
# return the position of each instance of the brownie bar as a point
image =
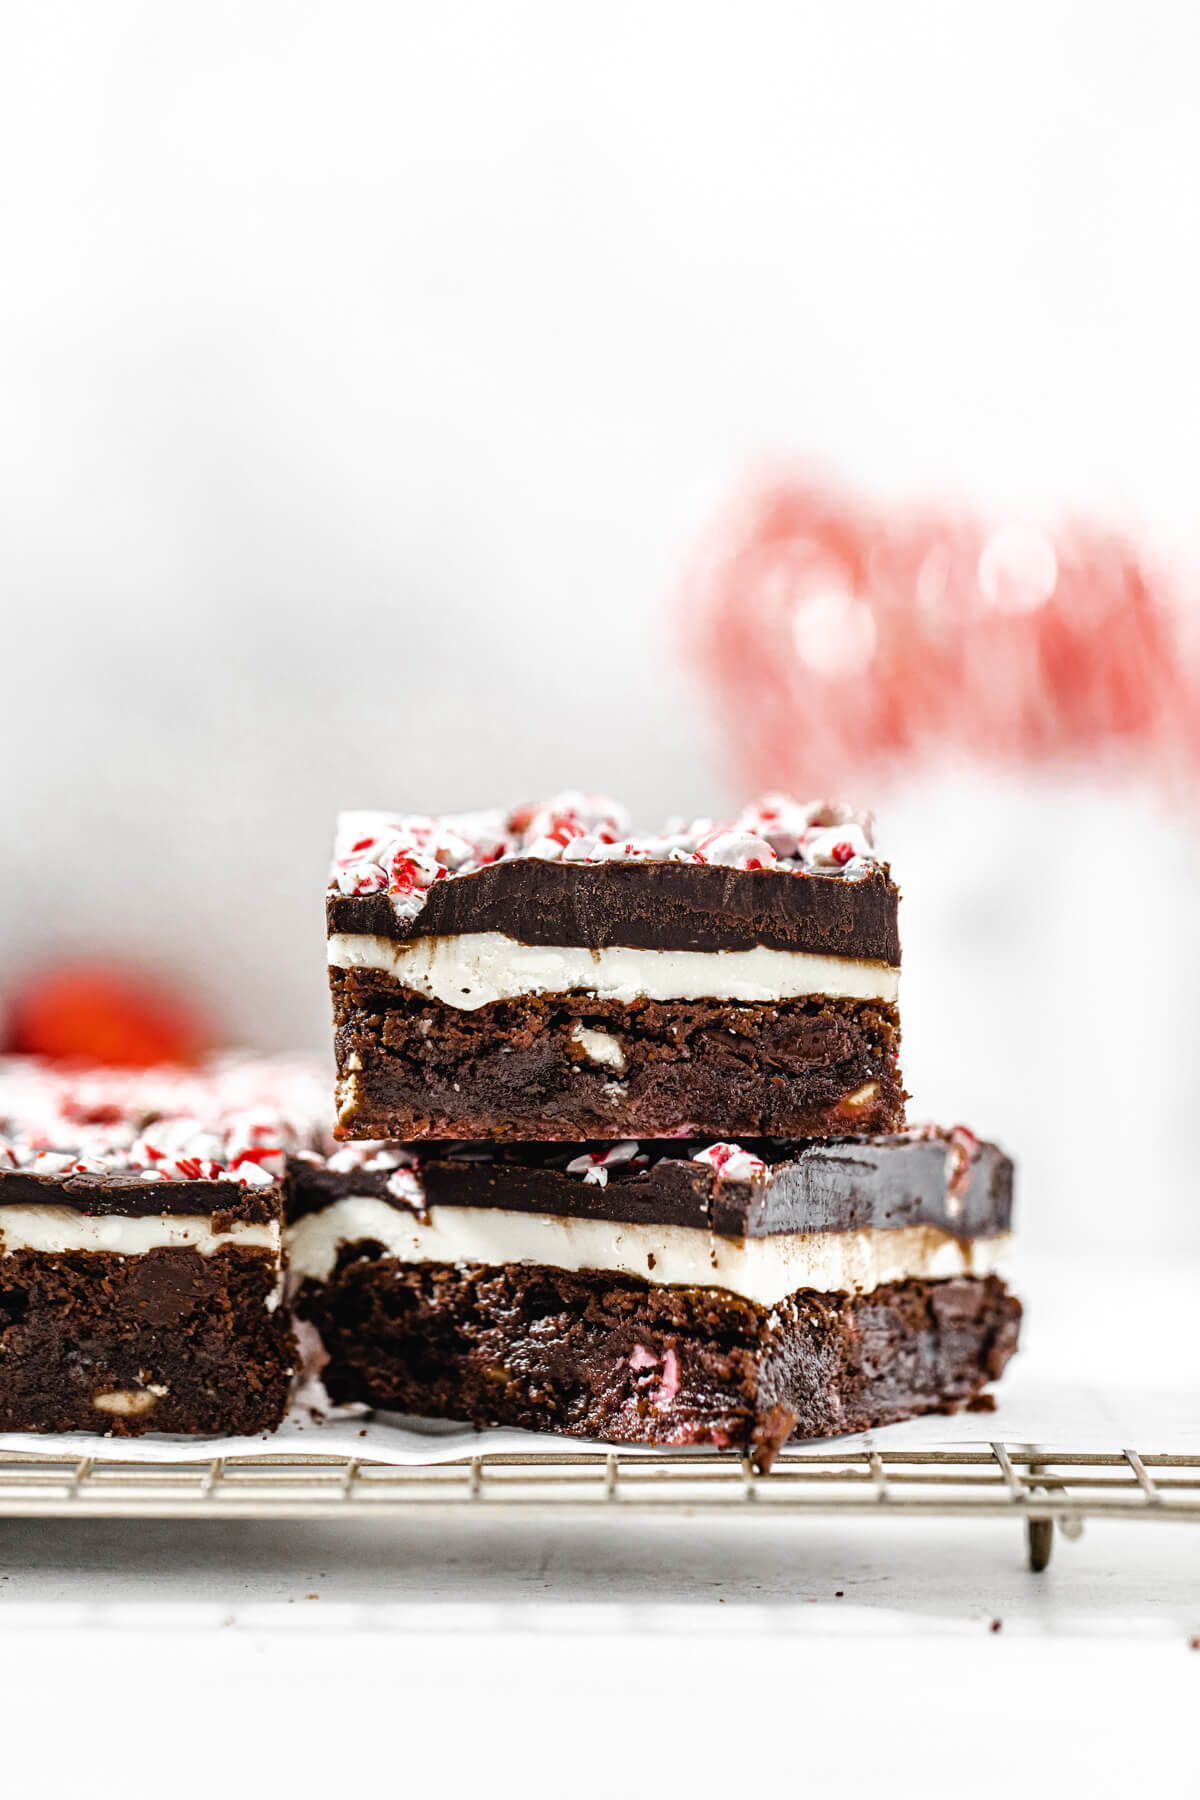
(594, 1355)
(550, 976)
(141, 1254)
(659, 1293)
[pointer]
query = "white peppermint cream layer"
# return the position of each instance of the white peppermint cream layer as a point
(765, 1270)
(55, 1230)
(476, 968)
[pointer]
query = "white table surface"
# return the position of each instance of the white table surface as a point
(217, 1657)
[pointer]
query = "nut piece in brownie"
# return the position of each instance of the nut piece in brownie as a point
(551, 975)
(141, 1262)
(660, 1293)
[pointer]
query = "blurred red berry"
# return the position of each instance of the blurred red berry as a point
(87, 1012)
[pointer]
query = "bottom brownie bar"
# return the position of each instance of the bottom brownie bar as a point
(591, 1354)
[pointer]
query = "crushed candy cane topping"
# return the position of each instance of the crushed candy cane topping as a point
(368, 1156)
(236, 1119)
(729, 1162)
(403, 855)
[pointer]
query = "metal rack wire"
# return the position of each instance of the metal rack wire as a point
(1041, 1488)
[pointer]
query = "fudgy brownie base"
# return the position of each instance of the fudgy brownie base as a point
(604, 1356)
(170, 1340)
(413, 1068)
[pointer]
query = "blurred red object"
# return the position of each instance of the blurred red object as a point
(843, 640)
(92, 1013)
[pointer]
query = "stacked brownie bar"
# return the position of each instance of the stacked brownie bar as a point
(624, 1148)
(550, 976)
(141, 1248)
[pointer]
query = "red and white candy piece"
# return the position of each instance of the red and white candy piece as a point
(259, 1166)
(51, 1162)
(368, 1156)
(730, 848)
(405, 1186)
(594, 1165)
(836, 846)
(552, 845)
(252, 1174)
(731, 1163)
(360, 877)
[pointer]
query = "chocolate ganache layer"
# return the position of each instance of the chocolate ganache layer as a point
(946, 1179)
(647, 906)
(129, 1197)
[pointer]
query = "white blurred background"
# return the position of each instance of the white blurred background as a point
(371, 371)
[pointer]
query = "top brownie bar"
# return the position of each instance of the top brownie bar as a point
(549, 974)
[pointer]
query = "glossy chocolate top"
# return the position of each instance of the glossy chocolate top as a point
(924, 1177)
(648, 906)
(782, 874)
(128, 1196)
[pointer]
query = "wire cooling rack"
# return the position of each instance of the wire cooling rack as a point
(1041, 1488)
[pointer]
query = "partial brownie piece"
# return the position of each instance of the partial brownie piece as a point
(141, 1259)
(551, 976)
(660, 1293)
